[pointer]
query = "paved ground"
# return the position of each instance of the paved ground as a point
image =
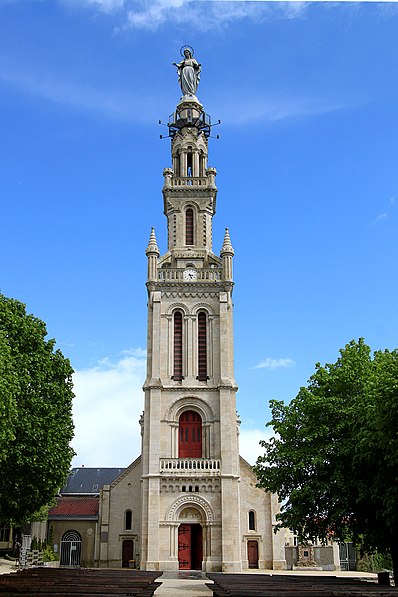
(6, 566)
(192, 583)
(181, 584)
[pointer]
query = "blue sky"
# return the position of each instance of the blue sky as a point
(307, 177)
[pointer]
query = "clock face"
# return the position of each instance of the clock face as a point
(190, 274)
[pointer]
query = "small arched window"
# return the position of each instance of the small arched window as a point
(202, 346)
(128, 520)
(252, 521)
(177, 367)
(189, 226)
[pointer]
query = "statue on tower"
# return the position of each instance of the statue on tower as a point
(188, 72)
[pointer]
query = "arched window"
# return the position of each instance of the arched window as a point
(252, 521)
(189, 162)
(189, 226)
(128, 520)
(202, 347)
(177, 369)
(190, 436)
(71, 544)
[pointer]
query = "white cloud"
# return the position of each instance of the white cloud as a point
(270, 363)
(249, 440)
(112, 104)
(269, 109)
(106, 411)
(206, 15)
(104, 6)
(380, 218)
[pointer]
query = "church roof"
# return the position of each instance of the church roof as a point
(82, 480)
(75, 507)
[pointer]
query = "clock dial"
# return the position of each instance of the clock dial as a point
(190, 274)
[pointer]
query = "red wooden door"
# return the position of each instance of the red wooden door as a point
(252, 554)
(184, 547)
(190, 547)
(190, 435)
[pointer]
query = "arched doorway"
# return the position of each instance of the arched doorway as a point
(71, 545)
(191, 519)
(190, 546)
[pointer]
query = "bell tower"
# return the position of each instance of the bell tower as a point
(190, 460)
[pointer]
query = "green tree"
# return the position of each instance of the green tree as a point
(35, 414)
(334, 458)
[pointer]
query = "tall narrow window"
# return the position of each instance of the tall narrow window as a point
(128, 520)
(202, 347)
(252, 521)
(189, 164)
(177, 370)
(189, 226)
(190, 436)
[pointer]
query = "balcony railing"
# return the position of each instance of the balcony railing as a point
(177, 275)
(190, 466)
(189, 181)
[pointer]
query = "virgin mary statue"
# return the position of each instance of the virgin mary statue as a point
(188, 73)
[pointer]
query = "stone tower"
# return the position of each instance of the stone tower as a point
(190, 458)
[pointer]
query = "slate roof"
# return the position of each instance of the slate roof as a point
(75, 507)
(84, 480)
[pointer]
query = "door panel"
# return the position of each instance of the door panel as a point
(252, 554)
(184, 547)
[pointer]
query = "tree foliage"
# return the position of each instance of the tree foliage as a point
(35, 414)
(334, 458)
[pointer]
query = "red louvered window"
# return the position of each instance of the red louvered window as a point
(189, 227)
(190, 435)
(177, 370)
(202, 347)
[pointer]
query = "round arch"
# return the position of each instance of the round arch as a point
(176, 408)
(190, 503)
(202, 307)
(176, 307)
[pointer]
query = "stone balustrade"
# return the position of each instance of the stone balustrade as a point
(189, 466)
(189, 181)
(177, 275)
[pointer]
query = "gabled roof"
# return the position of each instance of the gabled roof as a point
(75, 507)
(82, 480)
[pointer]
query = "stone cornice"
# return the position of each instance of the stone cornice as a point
(196, 389)
(189, 191)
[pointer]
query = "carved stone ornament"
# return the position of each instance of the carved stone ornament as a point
(306, 556)
(190, 514)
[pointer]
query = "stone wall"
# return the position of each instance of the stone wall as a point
(323, 556)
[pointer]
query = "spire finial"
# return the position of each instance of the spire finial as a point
(152, 247)
(188, 72)
(227, 248)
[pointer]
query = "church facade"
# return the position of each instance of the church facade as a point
(189, 501)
